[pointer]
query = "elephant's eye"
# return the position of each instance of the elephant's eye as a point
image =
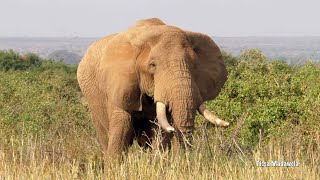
(152, 65)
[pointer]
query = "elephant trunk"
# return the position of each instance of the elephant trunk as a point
(177, 90)
(183, 103)
(183, 110)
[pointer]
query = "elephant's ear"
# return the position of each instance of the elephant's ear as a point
(116, 72)
(210, 72)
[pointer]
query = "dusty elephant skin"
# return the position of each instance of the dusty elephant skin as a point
(150, 71)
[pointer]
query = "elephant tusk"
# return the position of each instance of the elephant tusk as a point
(162, 118)
(212, 118)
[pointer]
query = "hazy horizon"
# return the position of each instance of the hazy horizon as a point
(98, 18)
(291, 49)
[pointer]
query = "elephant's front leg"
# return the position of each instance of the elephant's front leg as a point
(161, 141)
(182, 139)
(120, 132)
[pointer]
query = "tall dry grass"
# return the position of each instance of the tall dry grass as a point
(45, 131)
(29, 157)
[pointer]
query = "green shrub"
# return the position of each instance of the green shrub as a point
(39, 97)
(10, 60)
(276, 99)
(42, 97)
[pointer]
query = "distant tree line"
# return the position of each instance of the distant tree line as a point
(11, 60)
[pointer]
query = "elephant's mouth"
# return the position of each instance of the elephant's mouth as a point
(150, 93)
(164, 124)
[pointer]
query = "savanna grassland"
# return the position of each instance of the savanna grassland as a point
(273, 108)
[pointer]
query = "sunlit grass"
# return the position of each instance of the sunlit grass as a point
(273, 108)
(31, 158)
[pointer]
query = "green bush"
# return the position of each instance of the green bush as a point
(10, 60)
(276, 99)
(42, 97)
(39, 97)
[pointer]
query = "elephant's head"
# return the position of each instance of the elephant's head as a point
(179, 69)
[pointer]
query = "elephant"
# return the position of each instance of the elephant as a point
(151, 71)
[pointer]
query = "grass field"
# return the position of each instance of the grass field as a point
(31, 158)
(273, 108)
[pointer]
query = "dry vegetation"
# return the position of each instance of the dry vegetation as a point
(273, 108)
(31, 158)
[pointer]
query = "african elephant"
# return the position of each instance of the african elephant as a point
(176, 70)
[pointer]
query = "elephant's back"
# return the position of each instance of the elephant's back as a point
(94, 54)
(86, 72)
(96, 49)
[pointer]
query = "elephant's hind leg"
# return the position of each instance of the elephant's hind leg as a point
(101, 133)
(120, 132)
(99, 117)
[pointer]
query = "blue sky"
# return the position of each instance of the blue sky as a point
(96, 18)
